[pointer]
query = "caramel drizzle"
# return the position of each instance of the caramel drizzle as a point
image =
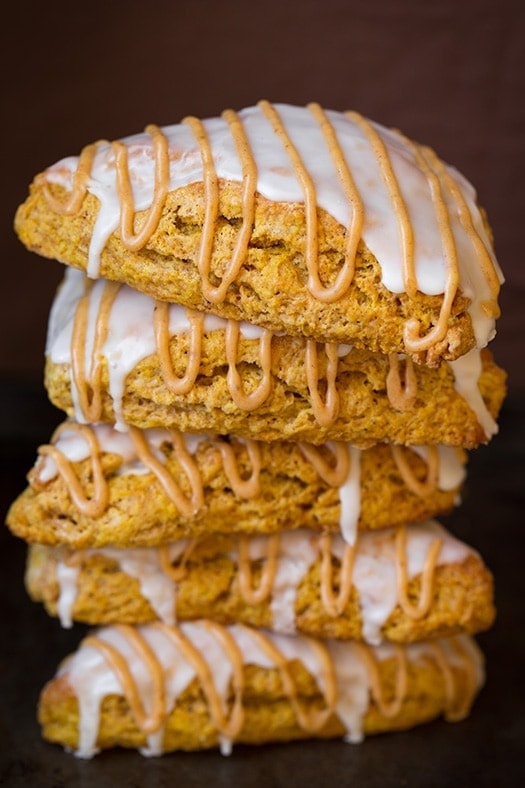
(216, 294)
(325, 412)
(185, 383)
(459, 694)
(187, 507)
(334, 604)
(98, 503)
(244, 488)
(314, 719)
(260, 394)
(419, 610)
(434, 170)
(406, 233)
(392, 707)
(251, 595)
(81, 176)
(421, 489)
(487, 266)
(117, 662)
(229, 723)
(249, 175)
(227, 726)
(176, 572)
(334, 474)
(413, 341)
(356, 220)
(89, 388)
(132, 240)
(401, 396)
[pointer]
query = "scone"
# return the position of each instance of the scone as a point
(116, 355)
(298, 220)
(401, 585)
(94, 486)
(199, 685)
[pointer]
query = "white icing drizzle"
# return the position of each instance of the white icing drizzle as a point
(467, 371)
(350, 497)
(374, 574)
(451, 471)
(277, 180)
(67, 577)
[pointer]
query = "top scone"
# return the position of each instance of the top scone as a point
(297, 219)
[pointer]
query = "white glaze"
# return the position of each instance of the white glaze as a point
(467, 371)
(350, 497)
(277, 181)
(67, 578)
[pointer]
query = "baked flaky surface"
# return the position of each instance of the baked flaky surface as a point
(365, 415)
(292, 494)
(209, 587)
(272, 707)
(270, 289)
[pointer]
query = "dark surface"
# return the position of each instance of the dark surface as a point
(484, 750)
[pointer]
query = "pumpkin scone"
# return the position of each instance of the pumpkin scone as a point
(114, 355)
(300, 220)
(200, 685)
(400, 585)
(93, 486)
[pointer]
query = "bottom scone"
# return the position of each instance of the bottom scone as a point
(200, 685)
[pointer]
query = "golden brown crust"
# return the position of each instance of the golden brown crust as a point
(209, 588)
(292, 495)
(366, 416)
(270, 289)
(269, 715)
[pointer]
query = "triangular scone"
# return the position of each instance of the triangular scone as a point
(115, 355)
(199, 685)
(94, 486)
(299, 220)
(400, 585)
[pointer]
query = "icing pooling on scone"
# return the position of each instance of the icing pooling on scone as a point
(379, 566)
(141, 453)
(151, 665)
(91, 321)
(417, 216)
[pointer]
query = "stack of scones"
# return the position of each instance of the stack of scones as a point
(270, 347)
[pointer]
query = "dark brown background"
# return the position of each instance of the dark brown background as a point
(450, 74)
